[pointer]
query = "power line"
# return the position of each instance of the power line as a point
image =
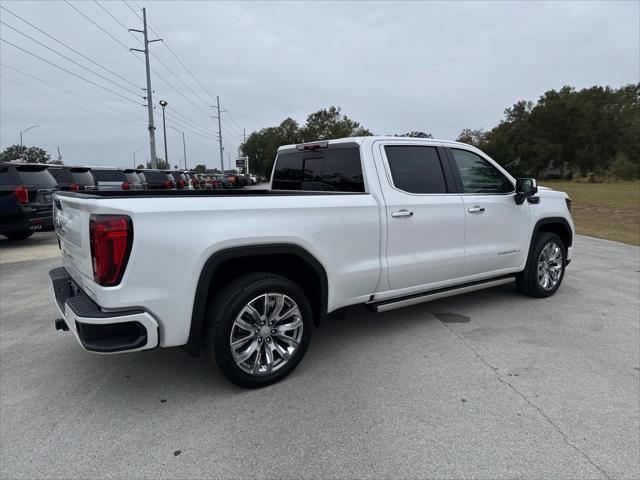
(52, 97)
(166, 44)
(102, 29)
(70, 92)
(68, 71)
(69, 59)
(70, 48)
(162, 63)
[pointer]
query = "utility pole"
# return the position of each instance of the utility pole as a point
(163, 104)
(184, 151)
(149, 98)
(219, 130)
(244, 141)
(59, 155)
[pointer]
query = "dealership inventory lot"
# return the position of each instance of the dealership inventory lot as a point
(491, 384)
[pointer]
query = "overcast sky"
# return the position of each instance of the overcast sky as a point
(394, 67)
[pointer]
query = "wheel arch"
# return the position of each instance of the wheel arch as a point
(558, 225)
(288, 260)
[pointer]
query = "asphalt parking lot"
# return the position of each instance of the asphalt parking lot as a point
(489, 385)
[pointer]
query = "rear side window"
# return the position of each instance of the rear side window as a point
(108, 175)
(478, 175)
(82, 176)
(415, 168)
(155, 176)
(6, 176)
(331, 169)
(61, 175)
(36, 176)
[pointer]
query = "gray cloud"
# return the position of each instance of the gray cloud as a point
(395, 67)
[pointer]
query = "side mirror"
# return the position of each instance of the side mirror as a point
(525, 187)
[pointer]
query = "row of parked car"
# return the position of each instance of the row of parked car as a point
(26, 189)
(111, 178)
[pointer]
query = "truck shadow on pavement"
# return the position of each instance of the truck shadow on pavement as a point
(171, 372)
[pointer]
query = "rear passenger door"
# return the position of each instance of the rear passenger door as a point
(425, 216)
(496, 227)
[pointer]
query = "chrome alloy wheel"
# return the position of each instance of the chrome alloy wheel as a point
(266, 333)
(550, 264)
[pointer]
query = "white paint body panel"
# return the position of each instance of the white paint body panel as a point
(367, 254)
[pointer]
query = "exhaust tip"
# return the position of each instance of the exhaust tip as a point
(61, 325)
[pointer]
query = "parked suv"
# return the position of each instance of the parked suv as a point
(133, 179)
(73, 179)
(159, 179)
(110, 178)
(25, 199)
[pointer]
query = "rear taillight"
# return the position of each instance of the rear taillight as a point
(22, 194)
(568, 200)
(111, 239)
(74, 187)
(167, 184)
(181, 184)
(126, 186)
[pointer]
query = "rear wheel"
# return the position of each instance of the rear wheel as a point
(545, 267)
(21, 235)
(259, 328)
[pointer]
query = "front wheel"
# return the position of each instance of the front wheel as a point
(545, 268)
(259, 328)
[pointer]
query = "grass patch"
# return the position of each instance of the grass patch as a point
(604, 210)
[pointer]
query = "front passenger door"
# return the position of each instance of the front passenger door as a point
(497, 228)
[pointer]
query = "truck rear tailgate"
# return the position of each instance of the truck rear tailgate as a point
(71, 222)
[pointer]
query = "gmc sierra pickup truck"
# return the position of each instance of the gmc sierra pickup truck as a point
(386, 222)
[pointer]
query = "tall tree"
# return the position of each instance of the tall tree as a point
(26, 154)
(330, 123)
(416, 134)
(472, 137)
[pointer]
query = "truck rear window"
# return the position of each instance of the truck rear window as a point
(330, 169)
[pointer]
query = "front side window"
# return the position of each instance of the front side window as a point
(415, 168)
(478, 175)
(332, 169)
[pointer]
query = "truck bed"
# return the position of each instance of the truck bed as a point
(198, 193)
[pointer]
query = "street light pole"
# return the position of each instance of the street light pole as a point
(25, 131)
(184, 146)
(134, 156)
(163, 104)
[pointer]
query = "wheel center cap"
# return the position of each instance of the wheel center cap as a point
(265, 331)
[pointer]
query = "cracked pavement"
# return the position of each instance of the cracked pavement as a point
(487, 385)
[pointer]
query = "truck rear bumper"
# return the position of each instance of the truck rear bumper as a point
(98, 330)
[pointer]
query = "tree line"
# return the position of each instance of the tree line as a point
(592, 131)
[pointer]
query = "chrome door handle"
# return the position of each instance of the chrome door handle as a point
(401, 213)
(476, 209)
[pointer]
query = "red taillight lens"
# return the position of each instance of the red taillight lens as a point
(111, 239)
(74, 187)
(22, 194)
(167, 184)
(181, 184)
(126, 186)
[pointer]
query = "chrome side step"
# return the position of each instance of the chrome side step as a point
(394, 303)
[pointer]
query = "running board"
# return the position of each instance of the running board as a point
(401, 302)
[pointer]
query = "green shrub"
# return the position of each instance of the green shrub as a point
(623, 169)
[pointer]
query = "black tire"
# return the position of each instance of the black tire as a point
(221, 316)
(21, 235)
(527, 280)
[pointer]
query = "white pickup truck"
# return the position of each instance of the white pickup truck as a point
(382, 221)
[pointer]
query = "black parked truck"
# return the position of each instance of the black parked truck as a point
(25, 199)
